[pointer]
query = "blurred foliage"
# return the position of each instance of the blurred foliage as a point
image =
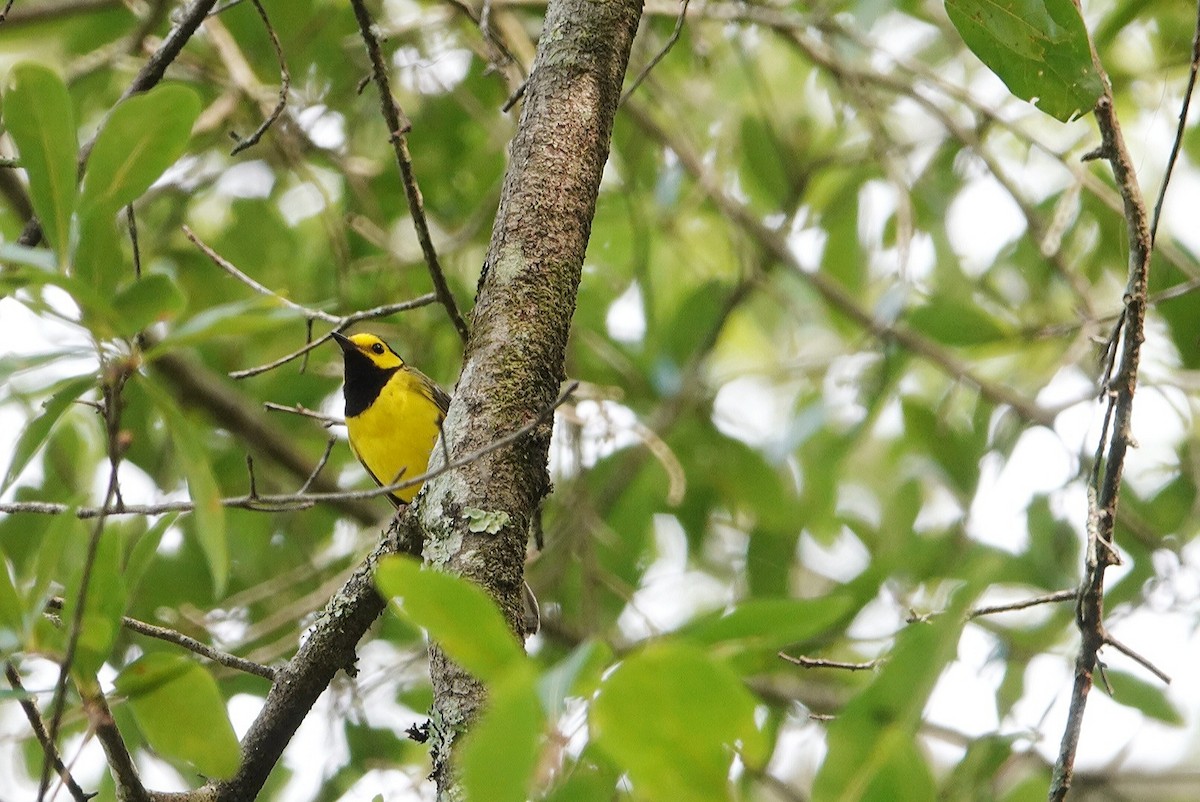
(753, 464)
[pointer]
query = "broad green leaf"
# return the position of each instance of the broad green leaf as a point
(12, 613)
(768, 625)
(500, 753)
(147, 300)
(872, 742)
(35, 434)
(38, 258)
(180, 710)
(1039, 48)
(762, 173)
(41, 121)
(99, 263)
(577, 675)
(142, 137)
(1150, 699)
(64, 535)
(202, 486)
(673, 718)
(104, 604)
(956, 322)
(236, 319)
(984, 759)
(458, 615)
(144, 549)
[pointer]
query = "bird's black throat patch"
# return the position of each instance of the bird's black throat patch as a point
(364, 380)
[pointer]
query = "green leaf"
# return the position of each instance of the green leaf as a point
(768, 625)
(1150, 699)
(956, 322)
(147, 300)
(1039, 48)
(144, 550)
(577, 675)
(673, 718)
(37, 258)
(236, 319)
(458, 615)
(64, 395)
(202, 486)
(180, 710)
(12, 613)
(103, 607)
(501, 751)
(41, 121)
(99, 263)
(143, 136)
(872, 742)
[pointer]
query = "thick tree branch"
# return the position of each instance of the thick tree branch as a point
(514, 359)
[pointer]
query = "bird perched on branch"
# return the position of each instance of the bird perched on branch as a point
(394, 414)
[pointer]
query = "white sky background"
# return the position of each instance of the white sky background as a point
(982, 221)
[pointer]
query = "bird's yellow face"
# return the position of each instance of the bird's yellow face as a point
(376, 350)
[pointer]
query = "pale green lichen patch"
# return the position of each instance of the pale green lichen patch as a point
(484, 521)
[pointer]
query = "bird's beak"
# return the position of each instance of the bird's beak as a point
(345, 342)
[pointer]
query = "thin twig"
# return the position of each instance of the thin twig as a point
(304, 412)
(1049, 598)
(398, 126)
(666, 48)
(817, 662)
(285, 82)
(250, 470)
(312, 477)
(131, 223)
(1144, 662)
(4, 14)
(230, 268)
(1183, 115)
(39, 731)
(343, 323)
(112, 387)
(183, 641)
(292, 501)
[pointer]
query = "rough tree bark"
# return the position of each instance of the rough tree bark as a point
(514, 359)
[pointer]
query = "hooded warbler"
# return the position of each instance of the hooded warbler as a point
(393, 413)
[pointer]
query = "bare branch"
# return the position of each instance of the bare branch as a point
(1145, 663)
(1183, 116)
(304, 412)
(661, 54)
(398, 126)
(185, 642)
(231, 269)
(1049, 598)
(39, 730)
(285, 81)
(816, 662)
(125, 772)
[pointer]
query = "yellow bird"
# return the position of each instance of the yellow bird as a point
(393, 413)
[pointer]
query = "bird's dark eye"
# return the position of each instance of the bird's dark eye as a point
(377, 348)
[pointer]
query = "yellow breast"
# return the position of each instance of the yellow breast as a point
(394, 436)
